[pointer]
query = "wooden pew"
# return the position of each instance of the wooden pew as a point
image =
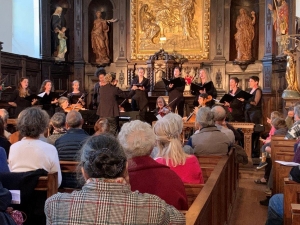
(68, 167)
(192, 191)
(214, 203)
(295, 214)
(282, 150)
(48, 183)
(291, 195)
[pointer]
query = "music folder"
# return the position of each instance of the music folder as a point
(227, 98)
(243, 94)
(31, 97)
(176, 82)
(197, 87)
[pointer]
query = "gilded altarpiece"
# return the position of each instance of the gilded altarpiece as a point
(178, 26)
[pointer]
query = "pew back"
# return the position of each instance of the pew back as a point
(68, 167)
(295, 214)
(291, 195)
(282, 150)
(48, 183)
(192, 191)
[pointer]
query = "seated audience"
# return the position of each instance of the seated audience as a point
(4, 143)
(101, 126)
(209, 140)
(5, 202)
(106, 194)
(290, 117)
(3, 161)
(170, 153)
(146, 175)
(4, 115)
(31, 153)
(70, 143)
(294, 131)
(219, 118)
(58, 122)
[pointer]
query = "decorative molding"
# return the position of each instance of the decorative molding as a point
(219, 21)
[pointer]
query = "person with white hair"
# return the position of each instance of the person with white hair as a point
(4, 115)
(137, 139)
(209, 140)
(167, 133)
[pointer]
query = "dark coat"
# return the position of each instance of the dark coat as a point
(176, 92)
(210, 90)
(70, 143)
(237, 107)
(108, 106)
(21, 102)
(141, 97)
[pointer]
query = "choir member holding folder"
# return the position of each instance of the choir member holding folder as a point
(205, 86)
(48, 98)
(175, 87)
(232, 100)
(21, 98)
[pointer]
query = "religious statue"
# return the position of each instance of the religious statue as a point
(280, 17)
(62, 47)
(291, 75)
(147, 23)
(55, 28)
(244, 35)
(188, 12)
(99, 38)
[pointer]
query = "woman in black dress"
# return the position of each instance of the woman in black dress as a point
(236, 106)
(19, 98)
(48, 97)
(76, 97)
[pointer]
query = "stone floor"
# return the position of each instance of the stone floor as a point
(247, 209)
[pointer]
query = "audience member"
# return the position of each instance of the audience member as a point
(5, 202)
(101, 126)
(31, 153)
(294, 131)
(137, 139)
(58, 122)
(104, 168)
(3, 161)
(167, 132)
(4, 115)
(209, 140)
(4, 143)
(290, 117)
(70, 143)
(219, 118)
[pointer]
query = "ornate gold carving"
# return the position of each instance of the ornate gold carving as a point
(184, 23)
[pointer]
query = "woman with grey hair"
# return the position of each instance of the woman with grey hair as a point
(167, 132)
(31, 153)
(104, 168)
(58, 123)
(209, 140)
(137, 139)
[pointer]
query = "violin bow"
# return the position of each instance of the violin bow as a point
(123, 102)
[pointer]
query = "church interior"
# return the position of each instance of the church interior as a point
(65, 40)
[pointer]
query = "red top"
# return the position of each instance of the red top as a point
(190, 172)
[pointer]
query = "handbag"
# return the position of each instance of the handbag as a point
(18, 216)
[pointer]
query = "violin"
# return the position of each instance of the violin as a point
(163, 111)
(192, 116)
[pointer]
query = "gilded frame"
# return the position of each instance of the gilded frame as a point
(185, 37)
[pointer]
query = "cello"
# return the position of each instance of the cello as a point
(206, 98)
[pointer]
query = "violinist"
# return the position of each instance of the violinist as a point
(161, 107)
(48, 98)
(63, 104)
(236, 106)
(76, 97)
(18, 97)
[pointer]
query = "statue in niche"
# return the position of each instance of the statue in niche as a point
(62, 47)
(291, 75)
(280, 17)
(188, 12)
(56, 27)
(148, 26)
(244, 35)
(99, 38)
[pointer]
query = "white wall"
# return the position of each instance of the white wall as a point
(297, 8)
(6, 25)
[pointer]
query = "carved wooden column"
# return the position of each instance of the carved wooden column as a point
(79, 63)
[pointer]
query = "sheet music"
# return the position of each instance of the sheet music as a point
(287, 163)
(15, 196)
(42, 94)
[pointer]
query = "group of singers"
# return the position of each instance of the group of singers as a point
(106, 93)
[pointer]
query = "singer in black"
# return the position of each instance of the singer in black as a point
(236, 106)
(176, 93)
(140, 86)
(76, 97)
(48, 97)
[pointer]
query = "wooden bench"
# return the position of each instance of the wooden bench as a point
(192, 191)
(291, 196)
(48, 183)
(282, 150)
(295, 214)
(68, 167)
(214, 203)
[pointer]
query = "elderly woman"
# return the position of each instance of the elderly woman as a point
(58, 122)
(138, 140)
(167, 132)
(106, 195)
(101, 126)
(209, 140)
(31, 153)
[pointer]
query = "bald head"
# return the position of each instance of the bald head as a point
(219, 113)
(74, 119)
